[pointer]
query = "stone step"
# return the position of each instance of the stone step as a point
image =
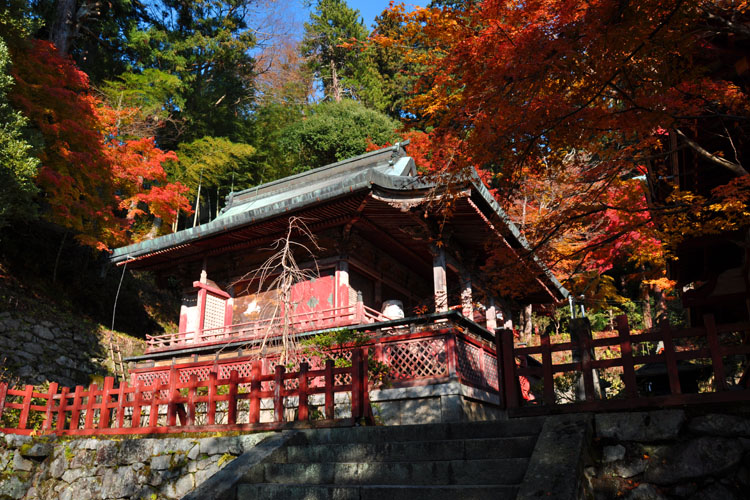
(509, 471)
(424, 432)
(415, 451)
(375, 492)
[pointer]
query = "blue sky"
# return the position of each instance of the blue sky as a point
(371, 8)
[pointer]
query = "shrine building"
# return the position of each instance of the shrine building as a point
(394, 256)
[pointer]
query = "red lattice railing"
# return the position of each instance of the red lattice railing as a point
(224, 400)
(703, 349)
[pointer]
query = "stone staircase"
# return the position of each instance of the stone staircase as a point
(435, 461)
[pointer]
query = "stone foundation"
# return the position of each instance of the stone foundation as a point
(66, 352)
(94, 469)
(446, 402)
(669, 454)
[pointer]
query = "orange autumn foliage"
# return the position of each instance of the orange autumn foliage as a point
(572, 105)
(92, 181)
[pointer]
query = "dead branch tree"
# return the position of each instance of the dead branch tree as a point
(279, 274)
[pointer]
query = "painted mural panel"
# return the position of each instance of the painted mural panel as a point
(311, 297)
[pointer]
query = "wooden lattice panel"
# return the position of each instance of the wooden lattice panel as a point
(416, 359)
(490, 371)
(215, 312)
(469, 363)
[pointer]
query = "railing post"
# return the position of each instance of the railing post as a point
(580, 334)
(212, 397)
(121, 405)
(549, 376)
(75, 413)
(720, 381)
(47, 425)
(302, 412)
(278, 393)
(109, 383)
(670, 358)
(28, 393)
(504, 340)
(255, 386)
(173, 392)
(61, 408)
(328, 389)
(626, 355)
(90, 402)
(191, 399)
(232, 401)
(356, 385)
(450, 353)
(137, 403)
(366, 410)
(153, 412)
(3, 394)
(359, 310)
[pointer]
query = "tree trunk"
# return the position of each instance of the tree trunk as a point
(155, 228)
(61, 33)
(661, 306)
(648, 320)
(527, 327)
(335, 84)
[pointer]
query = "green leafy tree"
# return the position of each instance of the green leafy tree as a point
(216, 165)
(206, 45)
(17, 164)
(330, 45)
(334, 131)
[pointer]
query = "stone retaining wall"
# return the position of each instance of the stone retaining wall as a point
(137, 468)
(668, 454)
(69, 353)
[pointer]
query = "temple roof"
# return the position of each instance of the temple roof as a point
(385, 180)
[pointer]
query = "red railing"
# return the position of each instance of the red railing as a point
(708, 346)
(420, 358)
(213, 404)
(433, 356)
(254, 330)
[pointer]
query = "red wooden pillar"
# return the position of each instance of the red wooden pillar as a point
(303, 413)
(28, 393)
(212, 397)
(47, 425)
(120, 418)
(172, 395)
(62, 408)
(255, 387)
(192, 385)
(549, 377)
(626, 354)
(450, 352)
(232, 400)
(3, 394)
(109, 383)
(202, 294)
(75, 413)
(278, 393)
(588, 374)
(328, 389)
(720, 381)
(90, 402)
(504, 342)
(137, 403)
(153, 413)
(356, 385)
(359, 310)
(670, 358)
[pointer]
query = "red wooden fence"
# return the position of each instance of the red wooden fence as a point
(711, 344)
(215, 404)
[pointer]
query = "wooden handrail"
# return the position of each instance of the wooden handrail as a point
(104, 410)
